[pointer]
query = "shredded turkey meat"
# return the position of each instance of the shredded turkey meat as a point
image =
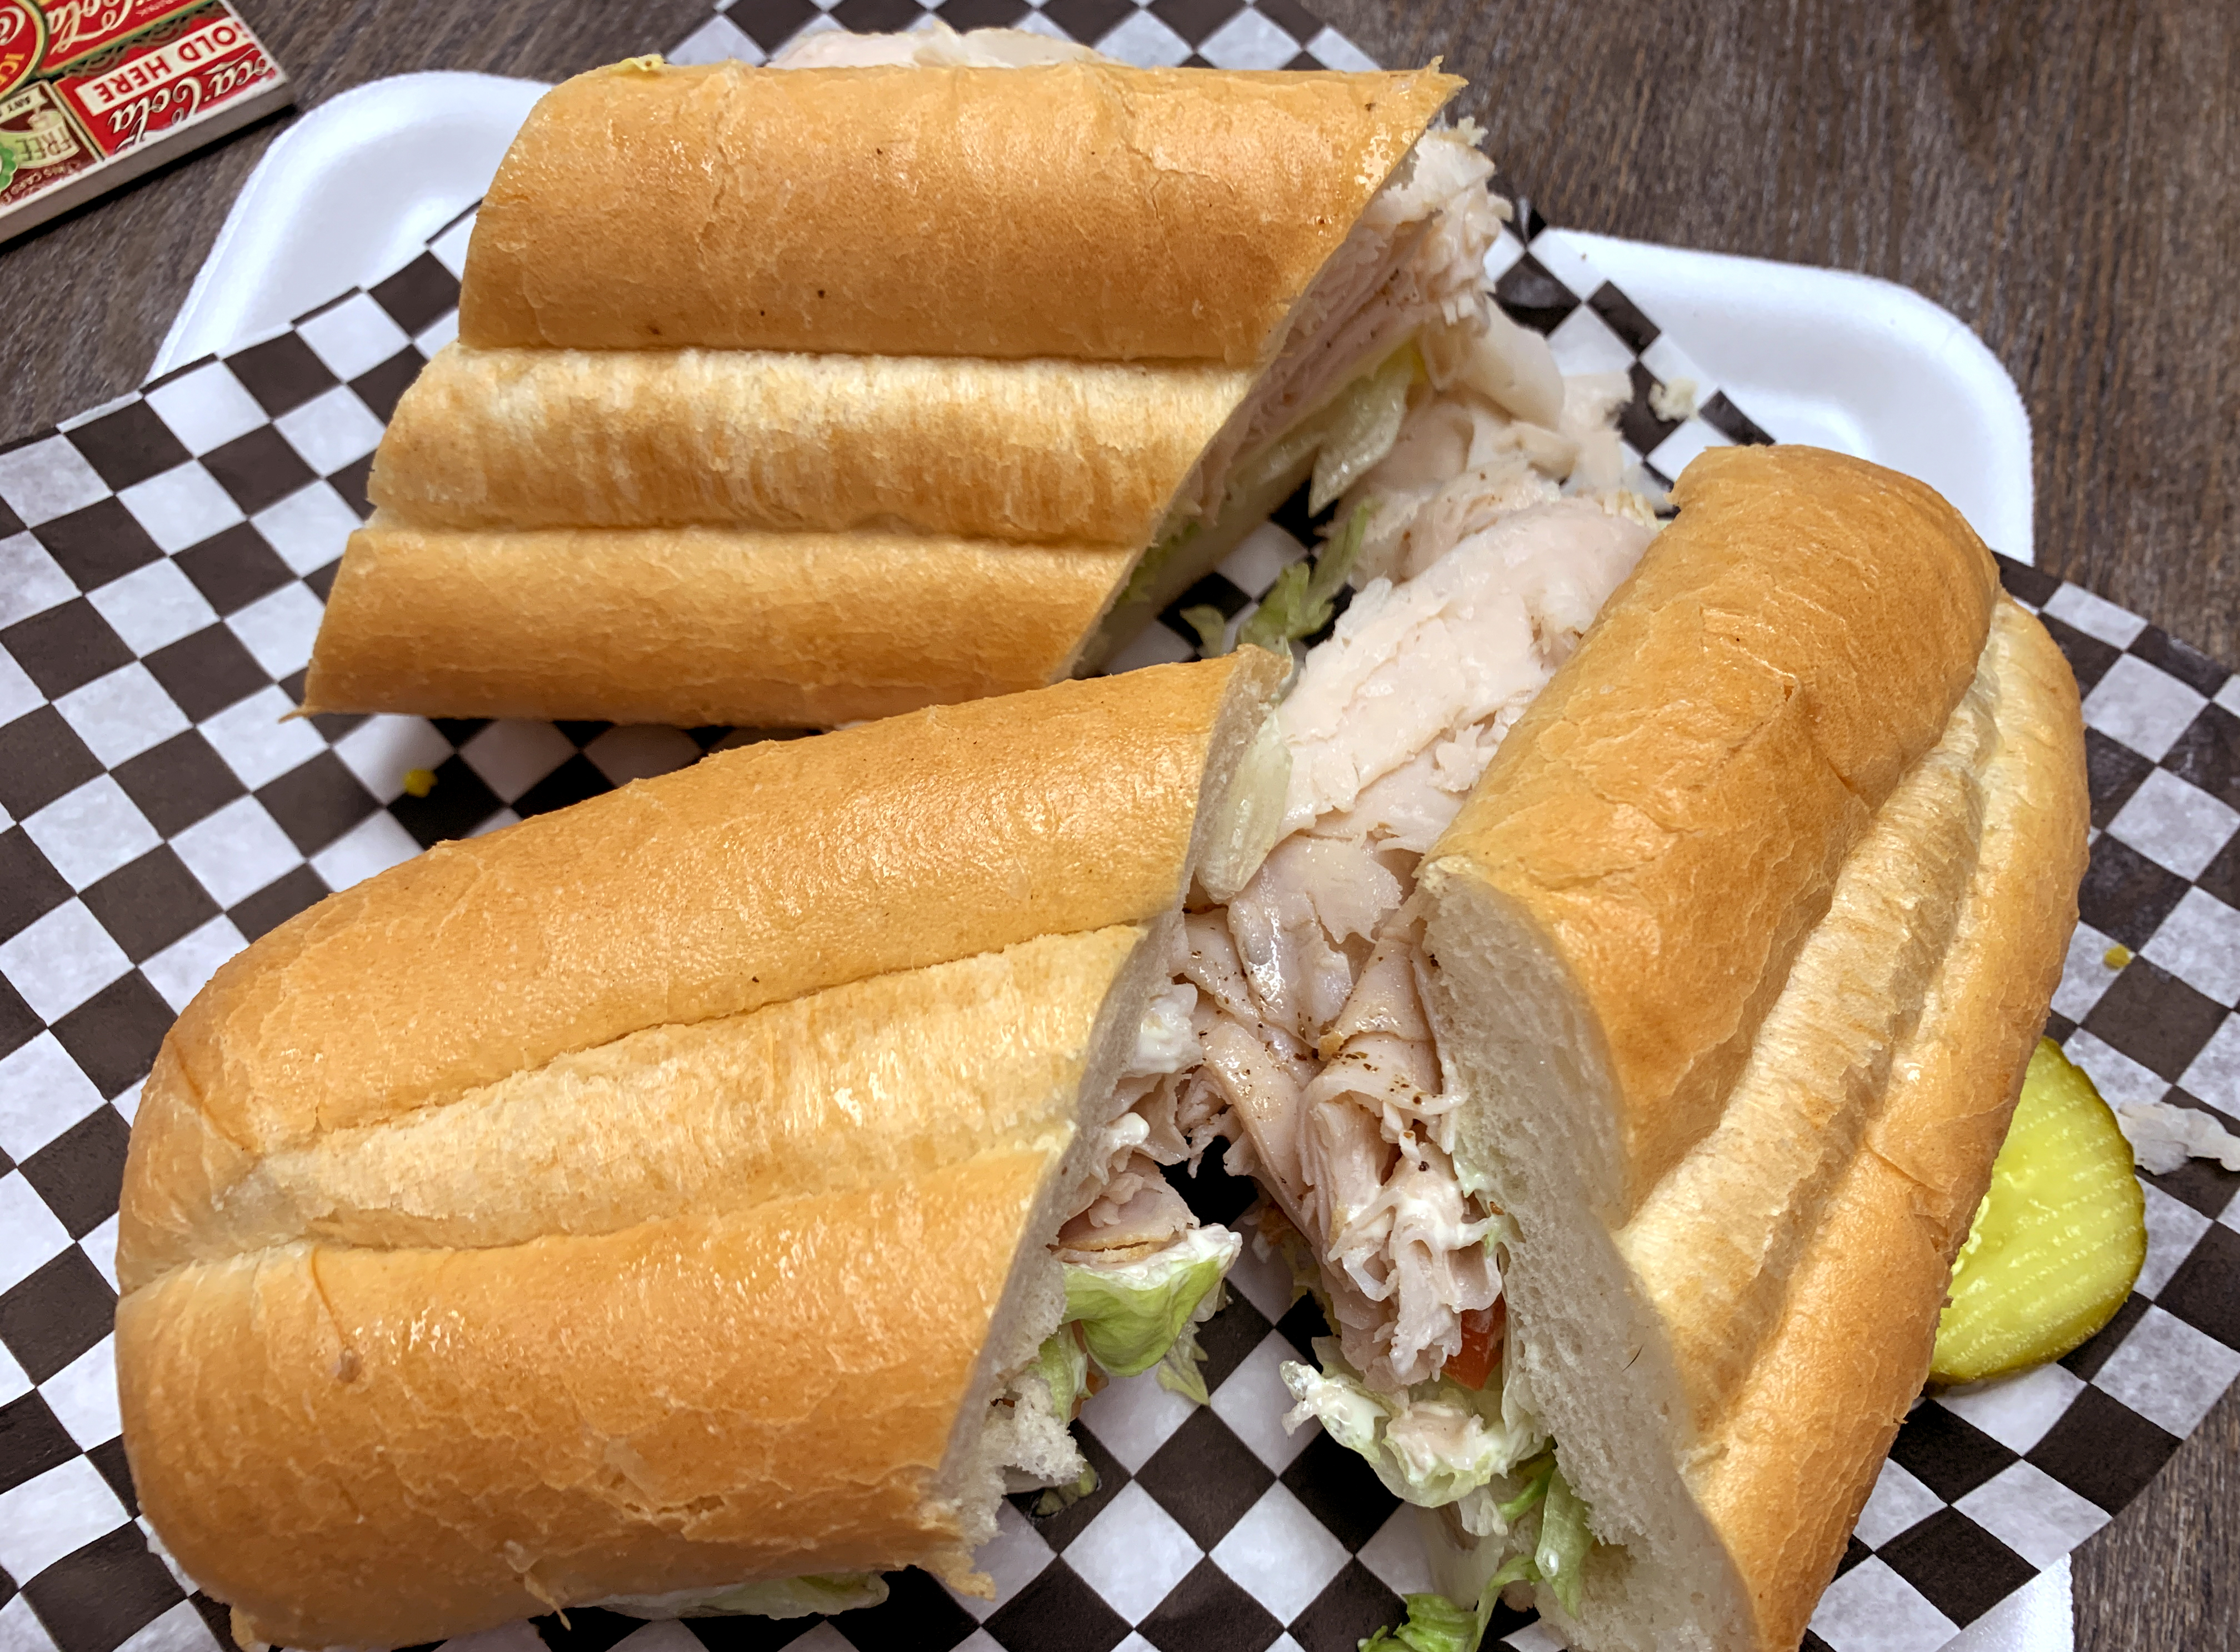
(1414, 262)
(1126, 1210)
(1317, 1060)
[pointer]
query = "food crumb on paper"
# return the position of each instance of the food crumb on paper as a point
(1676, 402)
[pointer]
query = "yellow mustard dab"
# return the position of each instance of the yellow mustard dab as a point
(2059, 1239)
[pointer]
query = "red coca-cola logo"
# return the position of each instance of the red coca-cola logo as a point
(79, 26)
(22, 43)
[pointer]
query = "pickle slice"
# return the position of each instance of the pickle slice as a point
(2058, 1241)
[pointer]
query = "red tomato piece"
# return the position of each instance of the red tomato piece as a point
(1482, 1329)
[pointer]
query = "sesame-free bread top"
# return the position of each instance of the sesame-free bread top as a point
(752, 876)
(706, 1304)
(1085, 211)
(698, 625)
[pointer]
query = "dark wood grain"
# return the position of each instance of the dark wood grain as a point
(2064, 176)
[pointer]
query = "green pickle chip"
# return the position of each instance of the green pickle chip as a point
(2059, 1239)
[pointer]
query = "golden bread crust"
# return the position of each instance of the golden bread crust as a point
(697, 625)
(1087, 210)
(754, 876)
(1794, 1455)
(682, 1404)
(1045, 452)
(825, 1093)
(1680, 798)
(653, 1195)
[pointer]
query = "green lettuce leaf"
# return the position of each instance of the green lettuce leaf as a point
(1256, 484)
(770, 1597)
(1065, 1367)
(1538, 1472)
(1211, 626)
(1142, 1313)
(1367, 423)
(1299, 603)
(1453, 1443)
(1434, 1624)
(1561, 1554)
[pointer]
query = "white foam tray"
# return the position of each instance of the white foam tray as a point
(352, 190)
(356, 187)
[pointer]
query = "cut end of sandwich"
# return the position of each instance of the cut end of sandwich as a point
(1740, 1104)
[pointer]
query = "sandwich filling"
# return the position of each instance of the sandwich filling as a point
(1319, 1064)
(1401, 308)
(1141, 1272)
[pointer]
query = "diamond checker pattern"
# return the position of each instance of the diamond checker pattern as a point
(162, 564)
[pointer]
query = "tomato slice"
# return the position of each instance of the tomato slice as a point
(1482, 1329)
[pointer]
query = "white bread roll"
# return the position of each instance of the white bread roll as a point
(789, 397)
(654, 1196)
(1740, 946)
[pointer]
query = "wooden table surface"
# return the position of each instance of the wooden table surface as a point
(2064, 175)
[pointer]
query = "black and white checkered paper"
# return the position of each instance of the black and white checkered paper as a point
(163, 561)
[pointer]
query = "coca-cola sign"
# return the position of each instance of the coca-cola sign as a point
(76, 27)
(165, 84)
(22, 43)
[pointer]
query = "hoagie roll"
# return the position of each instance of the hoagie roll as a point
(802, 395)
(705, 1198)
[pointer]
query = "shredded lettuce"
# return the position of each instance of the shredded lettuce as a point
(1438, 1443)
(1146, 1313)
(1536, 1474)
(1299, 604)
(1065, 1367)
(1367, 423)
(1352, 425)
(1434, 1624)
(1056, 1499)
(770, 1597)
(1559, 1559)
(1211, 626)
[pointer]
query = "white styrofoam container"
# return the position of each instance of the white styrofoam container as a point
(1842, 361)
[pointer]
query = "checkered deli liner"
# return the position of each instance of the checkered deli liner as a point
(163, 561)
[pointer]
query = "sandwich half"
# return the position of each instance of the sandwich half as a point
(701, 1199)
(1625, 1021)
(795, 395)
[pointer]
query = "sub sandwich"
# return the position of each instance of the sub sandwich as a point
(916, 369)
(704, 1199)
(1621, 1029)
